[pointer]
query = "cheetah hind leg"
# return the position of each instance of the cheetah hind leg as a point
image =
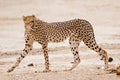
(76, 61)
(74, 43)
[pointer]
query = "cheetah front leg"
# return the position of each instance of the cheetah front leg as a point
(46, 57)
(74, 44)
(28, 47)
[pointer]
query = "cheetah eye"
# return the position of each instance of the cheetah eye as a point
(32, 27)
(32, 21)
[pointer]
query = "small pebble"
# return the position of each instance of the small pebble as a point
(110, 59)
(30, 64)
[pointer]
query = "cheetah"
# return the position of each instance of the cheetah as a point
(76, 30)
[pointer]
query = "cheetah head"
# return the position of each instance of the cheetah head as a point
(29, 22)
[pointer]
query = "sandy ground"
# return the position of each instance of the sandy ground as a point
(60, 60)
(102, 14)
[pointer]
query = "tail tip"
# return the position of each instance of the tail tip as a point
(110, 59)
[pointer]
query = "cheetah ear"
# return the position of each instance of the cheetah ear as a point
(33, 15)
(34, 18)
(24, 17)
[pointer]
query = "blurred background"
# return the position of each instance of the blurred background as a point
(104, 15)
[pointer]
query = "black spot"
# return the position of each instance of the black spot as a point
(99, 50)
(76, 52)
(90, 42)
(26, 41)
(96, 47)
(45, 51)
(88, 46)
(27, 38)
(76, 40)
(22, 56)
(25, 51)
(27, 45)
(92, 45)
(44, 47)
(74, 48)
(77, 59)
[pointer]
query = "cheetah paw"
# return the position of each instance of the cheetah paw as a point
(10, 70)
(46, 70)
(67, 70)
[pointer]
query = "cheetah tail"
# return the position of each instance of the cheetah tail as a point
(93, 45)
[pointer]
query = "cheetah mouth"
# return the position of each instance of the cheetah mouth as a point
(32, 28)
